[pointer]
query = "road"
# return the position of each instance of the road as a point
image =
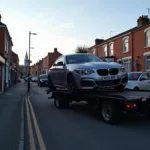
(80, 128)
(31, 122)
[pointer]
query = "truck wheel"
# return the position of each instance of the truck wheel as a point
(109, 112)
(60, 102)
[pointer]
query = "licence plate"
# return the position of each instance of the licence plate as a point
(110, 78)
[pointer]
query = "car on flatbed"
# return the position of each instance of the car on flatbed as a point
(86, 72)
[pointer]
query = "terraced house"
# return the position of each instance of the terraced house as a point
(6, 57)
(130, 48)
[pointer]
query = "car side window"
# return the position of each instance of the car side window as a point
(148, 75)
(144, 76)
(59, 62)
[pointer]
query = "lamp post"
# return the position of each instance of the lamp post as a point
(30, 33)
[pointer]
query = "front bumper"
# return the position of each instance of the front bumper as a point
(96, 82)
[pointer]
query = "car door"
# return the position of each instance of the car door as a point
(61, 69)
(143, 81)
(148, 74)
(57, 72)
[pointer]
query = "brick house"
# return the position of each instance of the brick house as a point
(6, 50)
(50, 59)
(14, 68)
(43, 65)
(130, 48)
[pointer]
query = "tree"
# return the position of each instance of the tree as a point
(81, 49)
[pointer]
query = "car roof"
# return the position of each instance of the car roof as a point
(77, 54)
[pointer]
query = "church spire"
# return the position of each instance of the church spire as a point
(26, 57)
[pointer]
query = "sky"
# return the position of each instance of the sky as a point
(66, 24)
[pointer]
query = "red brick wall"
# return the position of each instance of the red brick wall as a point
(139, 47)
(53, 57)
(2, 40)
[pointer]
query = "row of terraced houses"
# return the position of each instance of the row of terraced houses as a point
(130, 48)
(9, 60)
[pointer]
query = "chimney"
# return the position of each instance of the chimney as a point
(55, 50)
(143, 20)
(98, 41)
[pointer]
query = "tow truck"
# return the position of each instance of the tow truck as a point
(111, 105)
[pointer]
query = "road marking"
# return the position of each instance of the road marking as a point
(30, 130)
(38, 133)
(21, 142)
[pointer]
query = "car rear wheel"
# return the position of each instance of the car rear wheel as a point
(50, 83)
(71, 83)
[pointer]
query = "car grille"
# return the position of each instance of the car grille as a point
(108, 82)
(105, 72)
(113, 71)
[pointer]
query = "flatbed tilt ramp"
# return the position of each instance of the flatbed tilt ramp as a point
(111, 104)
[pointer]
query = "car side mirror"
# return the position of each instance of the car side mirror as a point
(60, 63)
(142, 79)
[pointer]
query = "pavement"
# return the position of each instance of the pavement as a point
(43, 127)
(10, 116)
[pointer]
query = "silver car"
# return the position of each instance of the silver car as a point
(86, 72)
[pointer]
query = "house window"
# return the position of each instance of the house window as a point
(105, 51)
(148, 38)
(147, 62)
(94, 51)
(125, 44)
(111, 49)
(127, 64)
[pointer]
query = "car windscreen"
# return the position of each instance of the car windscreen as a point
(133, 76)
(43, 77)
(75, 59)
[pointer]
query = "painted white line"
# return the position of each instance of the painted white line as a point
(38, 133)
(30, 130)
(21, 142)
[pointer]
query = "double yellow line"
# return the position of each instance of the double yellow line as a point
(29, 109)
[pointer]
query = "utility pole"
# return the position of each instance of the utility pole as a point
(29, 63)
(29, 59)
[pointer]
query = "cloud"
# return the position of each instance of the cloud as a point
(67, 25)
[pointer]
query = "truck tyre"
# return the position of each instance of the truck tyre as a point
(61, 103)
(109, 112)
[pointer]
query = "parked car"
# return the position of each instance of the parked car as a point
(138, 81)
(86, 72)
(42, 80)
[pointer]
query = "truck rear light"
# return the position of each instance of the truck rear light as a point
(130, 105)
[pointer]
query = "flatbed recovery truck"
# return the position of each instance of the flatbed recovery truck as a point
(111, 104)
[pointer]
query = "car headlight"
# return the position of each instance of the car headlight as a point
(84, 71)
(122, 69)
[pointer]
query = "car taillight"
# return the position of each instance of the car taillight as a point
(130, 105)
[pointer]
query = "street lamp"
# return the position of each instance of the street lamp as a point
(30, 33)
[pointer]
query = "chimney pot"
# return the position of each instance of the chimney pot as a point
(143, 20)
(55, 50)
